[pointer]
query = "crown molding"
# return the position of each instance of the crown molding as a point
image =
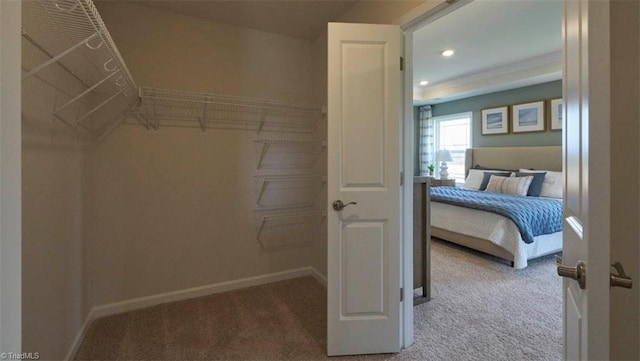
(544, 68)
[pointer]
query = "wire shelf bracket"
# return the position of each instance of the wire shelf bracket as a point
(314, 214)
(265, 180)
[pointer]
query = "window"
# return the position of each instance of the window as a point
(453, 132)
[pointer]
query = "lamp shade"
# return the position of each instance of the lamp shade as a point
(444, 156)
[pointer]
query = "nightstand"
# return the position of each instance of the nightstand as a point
(443, 182)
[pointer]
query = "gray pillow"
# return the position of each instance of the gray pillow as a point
(487, 175)
(536, 183)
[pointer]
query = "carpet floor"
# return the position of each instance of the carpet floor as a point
(481, 310)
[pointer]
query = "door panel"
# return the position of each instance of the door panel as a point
(586, 200)
(363, 160)
(363, 283)
(364, 115)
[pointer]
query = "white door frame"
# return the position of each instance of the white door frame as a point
(414, 20)
(10, 177)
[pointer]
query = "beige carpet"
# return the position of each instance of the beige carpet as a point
(481, 310)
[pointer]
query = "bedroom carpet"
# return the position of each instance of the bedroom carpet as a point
(481, 310)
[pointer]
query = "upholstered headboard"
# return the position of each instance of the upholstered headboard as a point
(547, 157)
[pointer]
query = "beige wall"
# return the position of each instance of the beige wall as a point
(172, 51)
(52, 170)
(174, 209)
(379, 12)
(624, 163)
(10, 178)
(52, 214)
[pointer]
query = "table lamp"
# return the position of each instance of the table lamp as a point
(444, 156)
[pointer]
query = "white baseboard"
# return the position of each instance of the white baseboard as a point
(319, 276)
(153, 300)
(80, 336)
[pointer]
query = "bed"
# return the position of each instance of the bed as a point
(490, 232)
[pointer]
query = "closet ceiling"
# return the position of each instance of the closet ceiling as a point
(305, 19)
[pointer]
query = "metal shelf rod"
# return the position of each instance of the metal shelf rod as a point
(44, 51)
(99, 106)
(202, 120)
(265, 147)
(142, 122)
(57, 57)
(86, 92)
(288, 215)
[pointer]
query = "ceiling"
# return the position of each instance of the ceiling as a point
(499, 44)
(305, 19)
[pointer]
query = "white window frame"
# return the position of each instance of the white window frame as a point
(450, 117)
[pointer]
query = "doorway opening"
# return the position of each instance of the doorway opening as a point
(491, 290)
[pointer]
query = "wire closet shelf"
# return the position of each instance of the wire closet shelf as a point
(67, 46)
(175, 108)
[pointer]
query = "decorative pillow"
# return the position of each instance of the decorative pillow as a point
(536, 183)
(509, 185)
(552, 185)
(487, 175)
(474, 178)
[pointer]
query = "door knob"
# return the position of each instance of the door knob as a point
(578, 273)
(338, 205)
(621, 279)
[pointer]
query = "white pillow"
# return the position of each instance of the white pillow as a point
(552, 185)
(509, 185)
(474, 179)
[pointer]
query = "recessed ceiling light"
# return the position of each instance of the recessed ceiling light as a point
(448, 52)
(424, 82)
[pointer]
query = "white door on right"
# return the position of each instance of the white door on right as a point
(592, 118)
(586, 218)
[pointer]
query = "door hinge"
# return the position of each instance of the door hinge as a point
(401, 294)
(401, 179)
(401, 63)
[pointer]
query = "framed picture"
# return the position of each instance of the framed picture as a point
(528, 117)
(495, 121)
(555, 122)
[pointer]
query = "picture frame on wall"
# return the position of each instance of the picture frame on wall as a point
(528, 117)
(495, 121)
(556, 114)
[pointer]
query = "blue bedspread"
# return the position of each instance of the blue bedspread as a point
(534, 216)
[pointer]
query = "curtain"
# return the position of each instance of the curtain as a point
(427, 139)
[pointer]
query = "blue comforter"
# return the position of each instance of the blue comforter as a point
(534, 216)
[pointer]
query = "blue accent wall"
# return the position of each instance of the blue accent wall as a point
(545, 91)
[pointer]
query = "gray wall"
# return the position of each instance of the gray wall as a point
(475, 104)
